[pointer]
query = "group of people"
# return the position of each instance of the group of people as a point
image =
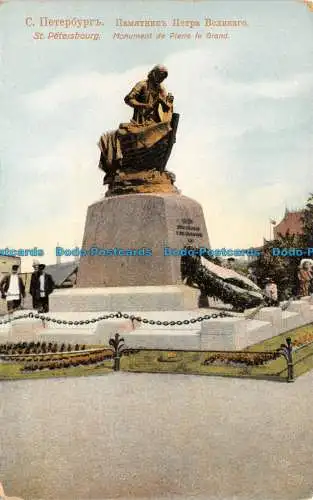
(302, 288)
(12, 288)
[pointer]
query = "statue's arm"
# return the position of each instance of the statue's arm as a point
(132, 98)
(166, 99)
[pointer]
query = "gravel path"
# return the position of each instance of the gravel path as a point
(150, 436)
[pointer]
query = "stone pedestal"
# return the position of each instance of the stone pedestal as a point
(24, 329)
(113, 299)
(223, 334)
(303, 308)
(273, 315)
(137, 222)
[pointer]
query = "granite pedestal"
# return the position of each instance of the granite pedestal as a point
(139, 221)
(136, 298)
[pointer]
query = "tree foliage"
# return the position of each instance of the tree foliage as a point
(283, 270)
(307, 221)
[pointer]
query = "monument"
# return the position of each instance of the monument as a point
(142, 210)
(128, 261)
(128, 264)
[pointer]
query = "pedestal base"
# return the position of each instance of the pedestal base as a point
(145, 298)
(146, 222)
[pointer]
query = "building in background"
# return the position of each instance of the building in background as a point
(63, 274)
(291, 223)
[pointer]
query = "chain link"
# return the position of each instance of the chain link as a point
(117, 315)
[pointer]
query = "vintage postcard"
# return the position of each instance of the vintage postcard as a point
(156, 249)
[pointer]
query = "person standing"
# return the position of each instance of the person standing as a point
(304, 277)
(271, 292)
(41, 287)
(12, 289)
(32, 287)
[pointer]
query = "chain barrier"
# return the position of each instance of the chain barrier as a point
(118, 315)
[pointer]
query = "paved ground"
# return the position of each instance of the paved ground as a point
(151, 436)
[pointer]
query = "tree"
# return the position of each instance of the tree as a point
(307, 221)
(283, 270)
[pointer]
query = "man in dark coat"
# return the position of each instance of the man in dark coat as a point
(12, 289)
(41, 286)
(32, 289)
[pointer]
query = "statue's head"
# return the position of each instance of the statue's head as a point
(158, 73)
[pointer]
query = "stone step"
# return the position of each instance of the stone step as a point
(291, 320)
(160, 339)
(135, 298)
(257, 331)
(68, 335)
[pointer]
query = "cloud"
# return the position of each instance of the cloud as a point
(106, 88)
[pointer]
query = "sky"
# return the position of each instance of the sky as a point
(244, 144)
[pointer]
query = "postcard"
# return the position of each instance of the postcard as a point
(156, 253)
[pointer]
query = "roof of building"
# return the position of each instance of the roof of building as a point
(10, 257)
(291, 223)
(62, 271)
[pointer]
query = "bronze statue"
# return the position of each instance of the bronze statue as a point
(145, 143)
(149, 99)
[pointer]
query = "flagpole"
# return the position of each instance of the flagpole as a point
(272, 223)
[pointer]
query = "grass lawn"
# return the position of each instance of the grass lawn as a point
(147, 361)
(187, 362)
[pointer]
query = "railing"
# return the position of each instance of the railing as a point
(10, 317)
(291, 363)
(117, 349)
(285, 350)
(117, 315)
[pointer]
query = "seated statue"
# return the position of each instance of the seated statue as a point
(145, 142)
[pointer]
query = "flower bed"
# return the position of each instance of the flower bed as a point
(241, 359)
(62, 362)
(169, 357)
(305, 338)
(37, 348)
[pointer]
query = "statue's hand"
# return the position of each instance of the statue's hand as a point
(166, 107)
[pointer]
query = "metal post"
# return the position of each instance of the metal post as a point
(290, 361)
(117, 343)
(116, 366)
(286, 351)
